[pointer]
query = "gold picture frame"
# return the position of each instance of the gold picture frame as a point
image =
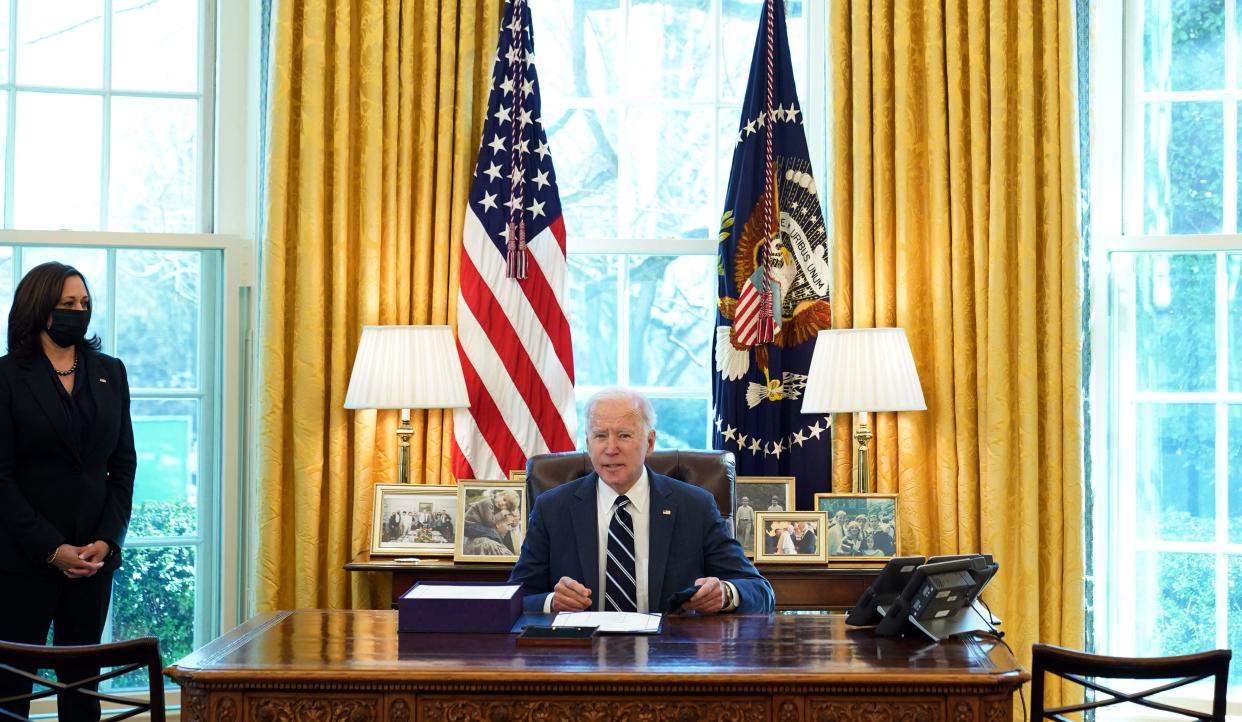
(790, 537)
(418, 519)
(493, 520)
(518, 475)
(758, 491)
(874, 516)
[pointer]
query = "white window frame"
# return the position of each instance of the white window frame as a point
(1116, 151)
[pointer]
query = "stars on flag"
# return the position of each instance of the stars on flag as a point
(779, 114)
(513, 124)
(734, 439)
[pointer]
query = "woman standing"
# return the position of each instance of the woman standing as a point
(66, 475)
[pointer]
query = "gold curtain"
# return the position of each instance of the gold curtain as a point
(375, 117)
(955, 217)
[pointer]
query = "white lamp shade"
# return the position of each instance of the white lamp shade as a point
(407, 367)
(862, 369)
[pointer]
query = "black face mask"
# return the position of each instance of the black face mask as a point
(68, 327)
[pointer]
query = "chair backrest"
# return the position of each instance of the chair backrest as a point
(712, 470)
(115, 658)
(1084, 669)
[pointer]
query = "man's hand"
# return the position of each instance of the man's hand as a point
(570, 596)
(71, 562)
(709, 599)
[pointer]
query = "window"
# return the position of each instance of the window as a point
(641, 100)
(107, 150)
(1167, 256)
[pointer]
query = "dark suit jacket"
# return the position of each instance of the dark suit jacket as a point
(53, 491)
(690, 542)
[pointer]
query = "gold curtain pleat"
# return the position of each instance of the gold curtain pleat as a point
(375, 118)
(954, 202)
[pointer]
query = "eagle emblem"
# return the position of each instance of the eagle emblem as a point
(798, 278)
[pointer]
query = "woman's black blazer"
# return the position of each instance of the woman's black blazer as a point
(51, 491)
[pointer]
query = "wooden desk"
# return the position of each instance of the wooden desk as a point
(353, 666)
(797, 586)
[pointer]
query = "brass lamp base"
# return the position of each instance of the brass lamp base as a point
(404, 432)
(863, 437)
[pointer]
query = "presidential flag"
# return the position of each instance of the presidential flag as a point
(512, 331)
(773, 269)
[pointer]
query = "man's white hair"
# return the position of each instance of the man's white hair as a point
(620, 393)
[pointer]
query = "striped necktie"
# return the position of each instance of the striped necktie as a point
(621, 589)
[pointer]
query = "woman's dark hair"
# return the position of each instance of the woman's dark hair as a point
(37, 294)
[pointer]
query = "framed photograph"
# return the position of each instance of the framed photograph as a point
(492, 515)
(518, 475)
(418, 519)
(790, 537)
(753, 494)
(859, 525)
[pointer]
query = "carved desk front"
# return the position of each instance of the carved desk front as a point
(353, 666)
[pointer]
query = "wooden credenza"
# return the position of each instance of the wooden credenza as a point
(797, 586)
(354, 666)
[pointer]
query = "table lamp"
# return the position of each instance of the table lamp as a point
(861, 370)
(406, 367)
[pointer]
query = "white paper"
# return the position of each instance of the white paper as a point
(617, 622)
(462, 591)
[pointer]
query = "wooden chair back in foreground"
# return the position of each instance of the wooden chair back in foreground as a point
(1086, 669)
(115, 659)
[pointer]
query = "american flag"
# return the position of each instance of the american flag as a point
(512, 331)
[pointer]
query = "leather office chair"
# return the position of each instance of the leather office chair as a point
(713, 470)
(115, 659)
(1084, 669)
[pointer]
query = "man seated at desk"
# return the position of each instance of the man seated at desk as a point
(624, 538)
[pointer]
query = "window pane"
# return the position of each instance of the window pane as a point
(1235, 475)
(166, 439)
(155, 45)
(1184, 44)
(1235, 616)
(584, 146)
(57, 160)
(1175, 484)
(669, 54)
(153, 591)
(92, 263)
(4, 41)
(1175, 603)
(681, 423)
(60, 43)
(671, 184)
(4, 136)
(1233, 306)
(1175, 322)
(158, 301)
(672, 309)
(576, 47)
(592, 300)
(153, 166)
(7, 286)
(1183, 158)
